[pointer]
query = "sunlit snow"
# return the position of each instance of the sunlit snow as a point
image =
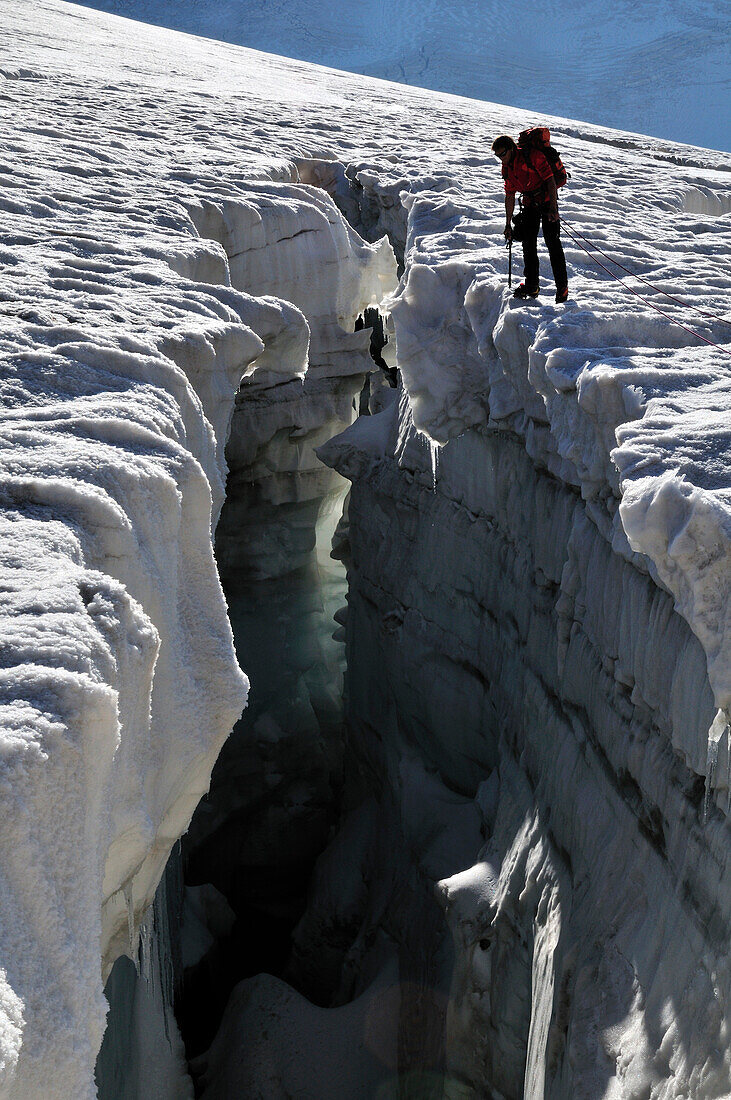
(169, 229)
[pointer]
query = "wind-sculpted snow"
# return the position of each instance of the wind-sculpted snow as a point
(182, 217)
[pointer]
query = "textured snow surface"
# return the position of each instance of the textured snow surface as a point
(657, 69)
(144, 176)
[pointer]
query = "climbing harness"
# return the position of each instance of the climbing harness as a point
(575, 237)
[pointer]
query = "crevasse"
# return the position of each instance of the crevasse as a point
(522, 884)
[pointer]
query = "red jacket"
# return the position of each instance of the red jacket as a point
(527, 171)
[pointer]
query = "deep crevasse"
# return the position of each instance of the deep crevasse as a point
(125, 683)
(504, 639)
(523, 606)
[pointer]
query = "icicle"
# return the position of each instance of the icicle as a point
(145, 954)
(719, 728)
(711, 761)
(434, 455)
(433, 449)
(128, 892)
(166, 980)
(162, 920)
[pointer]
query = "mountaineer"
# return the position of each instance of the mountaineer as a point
(534, 168)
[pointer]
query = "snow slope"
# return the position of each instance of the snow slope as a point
(142, 174)
(657, 69)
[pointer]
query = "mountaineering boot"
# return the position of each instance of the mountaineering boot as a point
(562, 294)
(524, 291)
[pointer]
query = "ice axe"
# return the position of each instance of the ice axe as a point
(509, 246)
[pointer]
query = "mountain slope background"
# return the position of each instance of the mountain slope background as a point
(661, 69)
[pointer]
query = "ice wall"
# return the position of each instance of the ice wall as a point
(117, 641)
(552, 679)
(552, 651)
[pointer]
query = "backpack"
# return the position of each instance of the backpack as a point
(539, 137)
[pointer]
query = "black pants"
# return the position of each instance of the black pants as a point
(533, 216)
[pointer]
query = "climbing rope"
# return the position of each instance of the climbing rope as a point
(632, 290)
(688, 305)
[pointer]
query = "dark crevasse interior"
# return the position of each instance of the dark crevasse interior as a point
(245, 864)
(483, 703)
(276, 787)
(237, 884)
(244, 868)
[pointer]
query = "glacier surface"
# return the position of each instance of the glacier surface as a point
(526, 892)
(660, 69)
